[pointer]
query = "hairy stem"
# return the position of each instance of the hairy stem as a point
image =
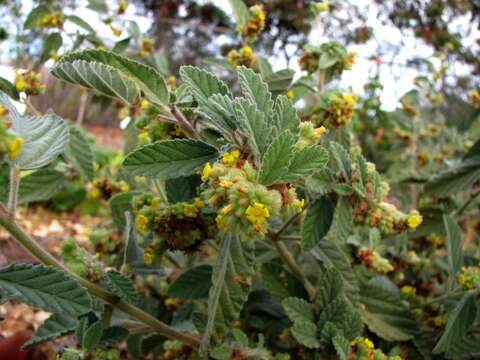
(14, 183)
(46, 258)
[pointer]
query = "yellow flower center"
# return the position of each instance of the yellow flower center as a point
(257, 214)
(15, 148)
(206, 172)
(231, 157)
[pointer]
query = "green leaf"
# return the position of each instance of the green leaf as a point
(193, 284)
(45, 136)
(285, 116)
(254, 124)
(202, 84)
(459, 322)
(460, 177)
(277, 158)
(342, 159)
(454, 245)
(255, 90)
(40, 185)
(362, 169)
(332, 256)
(79, 152)
(342, 346)
(93, 336)
(231, 279)
(467, 347)
(121, 286)
(182, 188)
(51, 44)
(279, 81)
(331, 287)
(114, 335)
(146, 78)
(317, 223)
(218, 113)
(307, 162)
(34, 17)
(105, 79)
(298, 310)
(8, 88)
(342, 221)
(240, 11)
(306, 334)
(45, 288)
(55, 326)
(385, 314)
(80, 22)
(170, 158)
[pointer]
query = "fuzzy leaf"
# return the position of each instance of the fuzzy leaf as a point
(40, 185)
(385, 314)
(255, 90)
(317, 223)
(306, 334)
(331, 287)
(193, 284)
(231, 279)
(240, 11)
(8, 88)
(285, 116)
(342, 221)
(298, 310)
(459, 322)
(279, 81)
(145, 78)
(307, 162)
(202, 84)
(454, 246)
(170, 158)
(45, 288)
(218, 113)
(276, 161)
(342, 346)
(342, 158)
(121, 286)
(114, 335)
(55, 326)
(79, 152)
(105, 79)
(93, 336)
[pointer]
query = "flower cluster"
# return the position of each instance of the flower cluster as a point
(107, 244)
(309, 135)
(241, 203)
(374, 211)
(255, 24)
(80, 262)
(244, 56)
(104, 189)
(180, 226)
(146, 47)
(151, 128)
(469, 277)
(10, 144)
(374, 260)
(28, 82)
(335, 109)
(331, 57)
(363, 349)
(52, 20)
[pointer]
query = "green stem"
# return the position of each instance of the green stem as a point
(13, 191)
(292, 264)
(46, 258)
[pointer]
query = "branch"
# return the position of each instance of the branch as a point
(46, 258)
(14, 182)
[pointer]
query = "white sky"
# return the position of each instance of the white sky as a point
(354, 79)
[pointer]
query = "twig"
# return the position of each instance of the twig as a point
(14, 183)
(184, 123)
(29, 105)
(473, 196)
(290, 261)
(46, 258)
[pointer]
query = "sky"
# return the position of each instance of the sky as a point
(396, 80)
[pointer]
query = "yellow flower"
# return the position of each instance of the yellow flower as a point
(95, 193)
(230, 157)
(198, 203)
(221, 223)
(320, 131)
(141, 222)
(144, 104)
(414, 220)
(206, 172)
(190, 210)
(116, 32)
(368, 343)
(225, 184)
(147, 258)
(155, 204)
(408, 290)
(299, 205)
(257, 214)
(290, 94)
(20, 85)
(247, 51)
(143, 136)
(15, 148)
(462, 279)
(124, 187)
